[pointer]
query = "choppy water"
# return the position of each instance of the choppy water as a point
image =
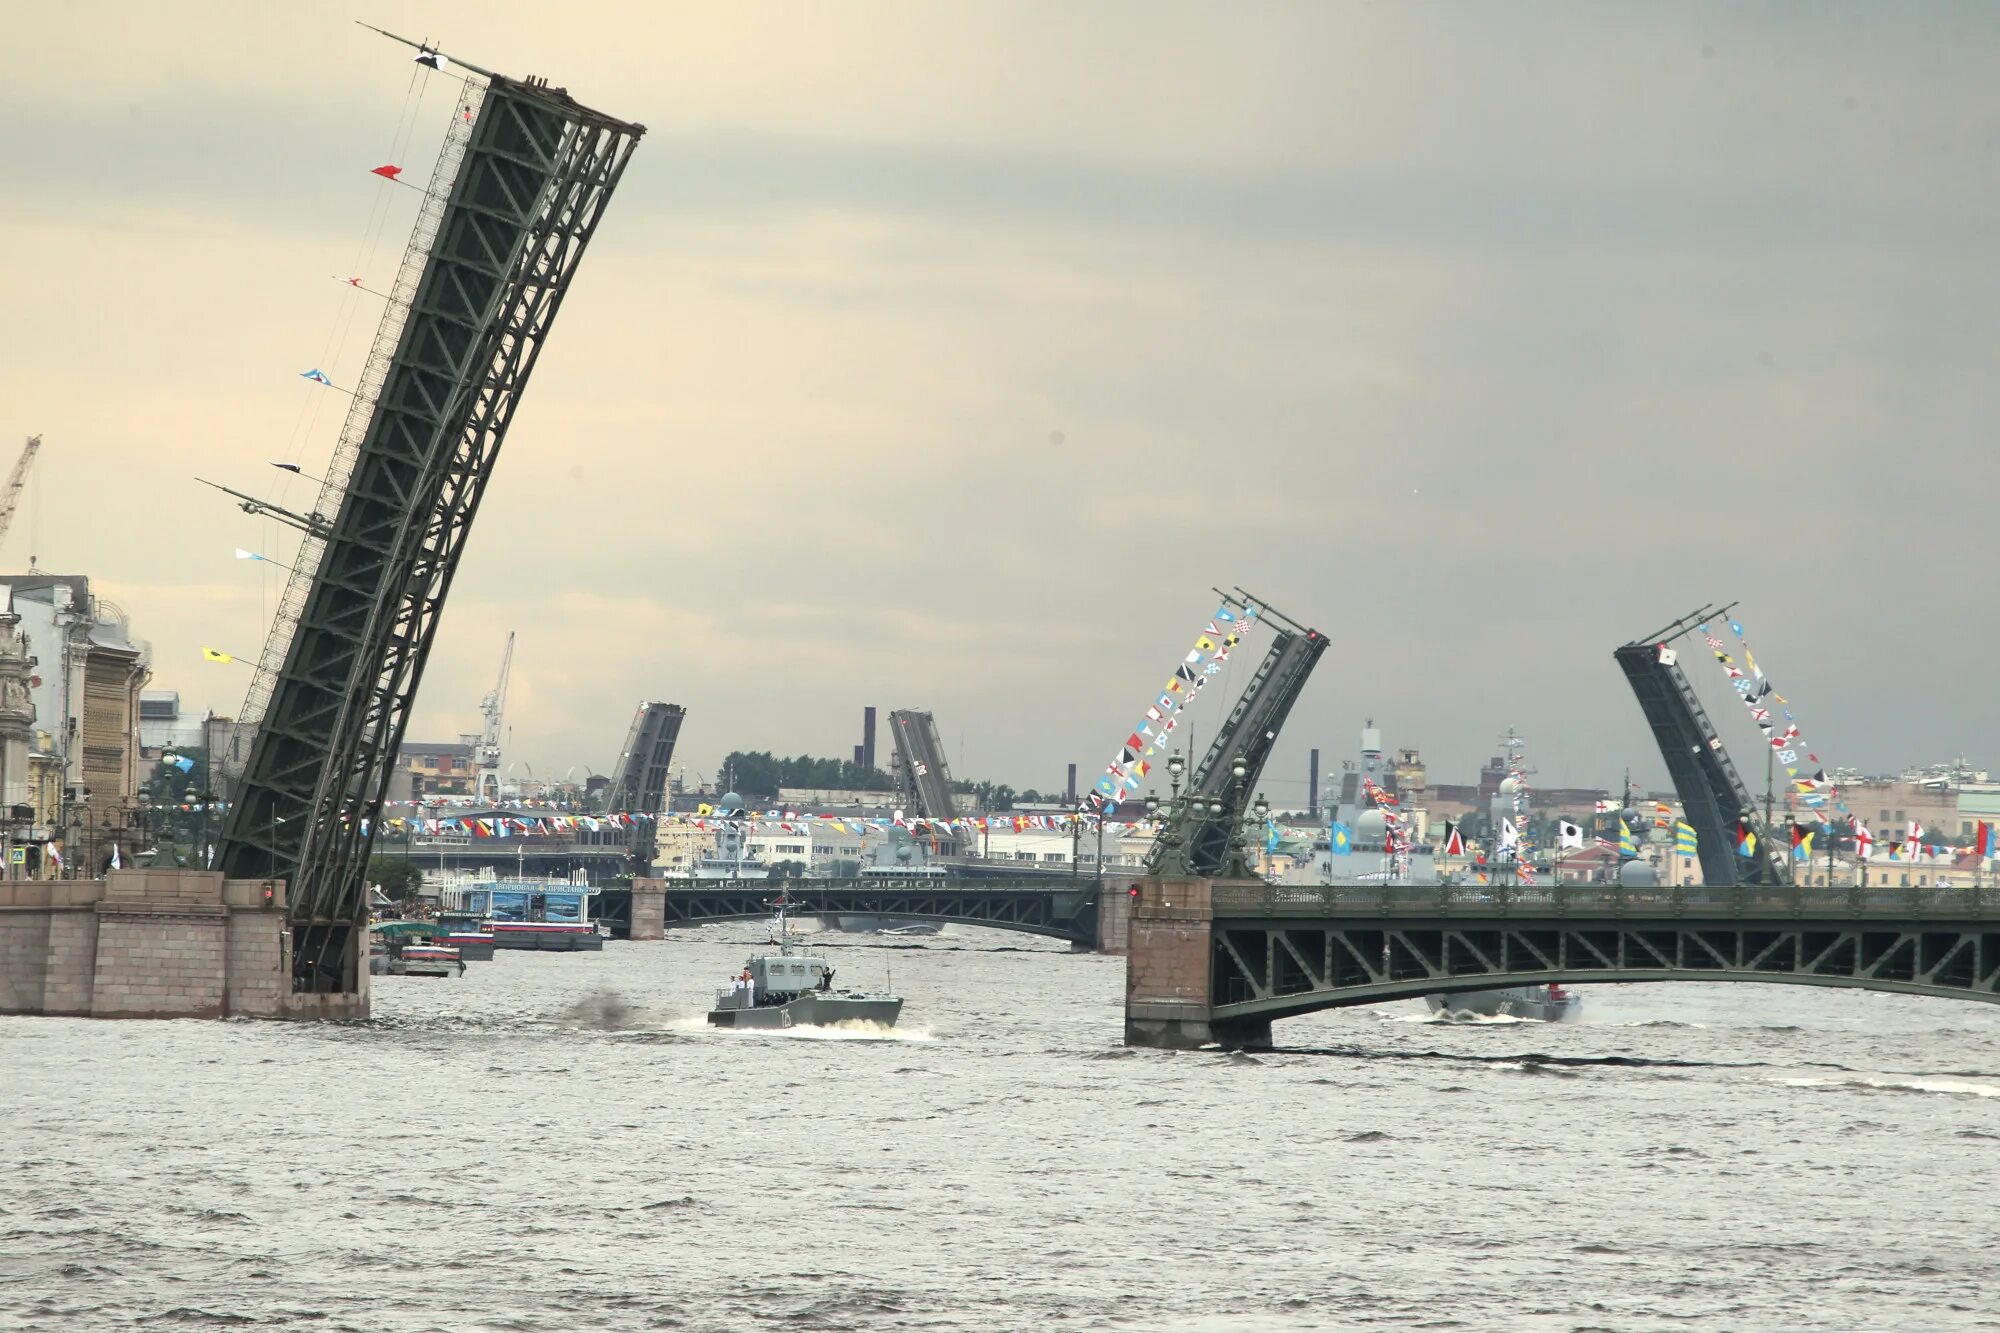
(559, 1143)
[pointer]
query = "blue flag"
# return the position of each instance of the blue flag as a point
(1340, 840)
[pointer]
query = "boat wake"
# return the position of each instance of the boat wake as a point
(850, 1030)
(1949, 1087)
(1466, 1018)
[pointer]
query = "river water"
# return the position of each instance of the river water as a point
(558, 1142)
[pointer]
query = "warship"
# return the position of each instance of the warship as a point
(784, 990)
(1355, 827)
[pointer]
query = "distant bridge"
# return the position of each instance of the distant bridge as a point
(1213, 961)
(1057, 907)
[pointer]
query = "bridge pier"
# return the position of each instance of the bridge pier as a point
(649, 909)
(1169, 971)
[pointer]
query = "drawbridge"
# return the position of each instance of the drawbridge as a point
(515, 197)
(1205, 835)
(920, 767)
(1712, 793)
(640, 785)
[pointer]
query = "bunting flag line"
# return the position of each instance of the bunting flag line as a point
(1126, 773)
(1812, 789)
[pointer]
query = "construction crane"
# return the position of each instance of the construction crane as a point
(486, 750)
(16, 482)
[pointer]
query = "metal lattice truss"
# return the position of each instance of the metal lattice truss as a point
(1711, 791)
(523, 185)
(640, 786)
(1034, 906)
(920, 764)
(1212, 844)
(1269, 970)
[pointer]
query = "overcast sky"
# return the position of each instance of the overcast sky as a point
(944, 355)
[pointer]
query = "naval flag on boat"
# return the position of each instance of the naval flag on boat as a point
(430, 59)
(1569, 835)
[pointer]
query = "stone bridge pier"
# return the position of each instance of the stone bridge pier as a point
(1169, 970)
(154, 944)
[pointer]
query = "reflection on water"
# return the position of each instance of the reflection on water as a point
(562, 1142)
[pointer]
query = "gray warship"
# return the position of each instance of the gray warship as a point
(1365, 828)
(785, 990)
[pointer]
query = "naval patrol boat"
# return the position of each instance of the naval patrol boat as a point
(785, 989)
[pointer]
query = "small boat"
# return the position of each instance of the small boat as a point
(426, 960)
(784, 990)
(1542, 1004)
(474, 946)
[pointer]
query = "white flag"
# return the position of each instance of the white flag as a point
(1668, 656)
(1568, 834)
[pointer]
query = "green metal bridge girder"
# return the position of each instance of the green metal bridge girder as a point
(1036, 907)
(1266, 968)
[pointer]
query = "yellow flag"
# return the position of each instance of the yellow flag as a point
(212, 655)
(839, 827)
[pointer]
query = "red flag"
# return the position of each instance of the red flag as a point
(1982, 841)
(1454, 842)
(388, 172)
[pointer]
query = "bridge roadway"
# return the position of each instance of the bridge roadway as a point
(1056, 906)
(1215, 961)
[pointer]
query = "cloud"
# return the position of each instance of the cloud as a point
(946, 356)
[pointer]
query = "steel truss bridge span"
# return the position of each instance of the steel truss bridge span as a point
(1058, 908)
(1279, 953)
(515, 197)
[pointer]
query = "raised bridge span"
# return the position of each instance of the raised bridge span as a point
(1218, 961)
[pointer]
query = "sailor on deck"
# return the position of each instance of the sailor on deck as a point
(748, 987)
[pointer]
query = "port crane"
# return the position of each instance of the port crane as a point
(17, 481)
(486, 746)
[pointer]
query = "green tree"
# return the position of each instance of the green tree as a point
(400, 877)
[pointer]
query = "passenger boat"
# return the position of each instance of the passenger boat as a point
(784, 990)
(542, 914)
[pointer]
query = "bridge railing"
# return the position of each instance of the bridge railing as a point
(1604, 900)
(884, 884)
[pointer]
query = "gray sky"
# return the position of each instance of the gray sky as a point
(943, 355)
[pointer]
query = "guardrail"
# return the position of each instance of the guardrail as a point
(914, 884)
(1604, 900)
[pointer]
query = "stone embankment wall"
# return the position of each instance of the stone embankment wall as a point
(154, 944)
